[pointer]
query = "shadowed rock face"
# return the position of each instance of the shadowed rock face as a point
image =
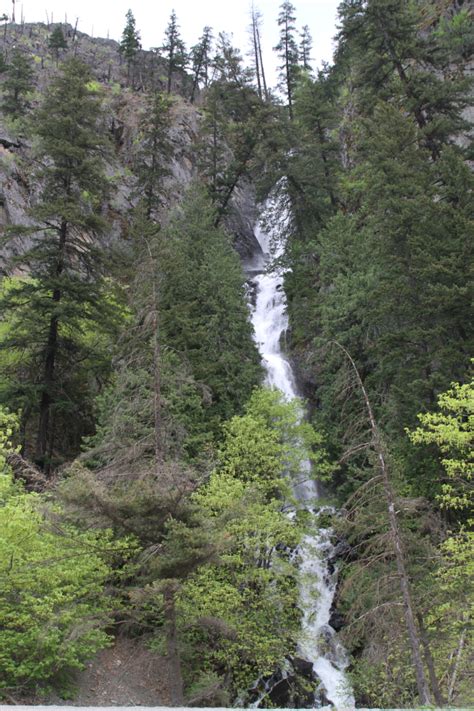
(241, 220)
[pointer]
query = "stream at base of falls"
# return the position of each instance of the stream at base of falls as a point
(318, 644)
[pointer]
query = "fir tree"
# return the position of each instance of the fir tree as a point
(130, 42)
(174, 50)
(201, 61)
(155, 152)
(287, 49)
(204, 311)
(17, 85)
(389, 55)
(57, 41)
(228, 64)
(65, 291)
(306, 45)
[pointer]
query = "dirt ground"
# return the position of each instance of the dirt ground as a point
(127, 674)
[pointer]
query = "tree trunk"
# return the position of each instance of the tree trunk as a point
(47, 398)
(176, 685)
(47, 385)
(415, 644)
(157, 380)
(170, 69)
(196, 81)
(429, 662)
(455, 668)
(262, 68)
(256, 53)
(288, 75)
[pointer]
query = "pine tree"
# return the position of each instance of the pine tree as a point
(130, 42)
(57, 41)
(174, 50)
(201, 61)
(65, 292)
(17, 85)
(287, 49)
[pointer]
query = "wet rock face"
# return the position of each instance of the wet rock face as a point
(295, 686)
(337, 620)
(240, 222)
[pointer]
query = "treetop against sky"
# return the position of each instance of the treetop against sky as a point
(108, 19)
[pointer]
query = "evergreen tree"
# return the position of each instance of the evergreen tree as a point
(65, 292)
(201, 61)
(174, 50)
(287, 49)
(306, 45)
(236, 129)
(228, 64)
(130, 42)
(204, 313)
(17, 85)
(156, 151)
(378, 247)
(57, 41)
(389, 55)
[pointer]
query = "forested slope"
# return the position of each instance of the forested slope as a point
(145, 474)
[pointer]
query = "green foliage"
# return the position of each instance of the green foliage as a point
(452, 430)
(53, 313)
(238, 132)
(287, 49)
(130, 42)
(378, 250)
(241, 615)
(270, 442)
(155, 152)
(204, 313)
(52, 607)
(200, 57)
(17, 85)
(57, 41)
(174, 50)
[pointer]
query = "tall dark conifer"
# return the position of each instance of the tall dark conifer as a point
(201, 61)
(174, 50)
(64, 291)
(306, 46)
(130, 42)
(287, 49)
(156, 151)
(57, 41)
(17, 84)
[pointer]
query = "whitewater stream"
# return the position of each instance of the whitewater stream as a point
(318, 643)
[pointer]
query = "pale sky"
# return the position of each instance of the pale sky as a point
(107, 18)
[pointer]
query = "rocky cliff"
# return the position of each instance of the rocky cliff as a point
(123, 107)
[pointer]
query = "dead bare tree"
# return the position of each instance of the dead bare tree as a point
(377, 445)
(256, 21)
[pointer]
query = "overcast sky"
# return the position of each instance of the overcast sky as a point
(104, 18)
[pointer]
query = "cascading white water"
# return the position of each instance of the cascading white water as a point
(318, 643)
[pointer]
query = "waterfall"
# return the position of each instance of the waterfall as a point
(318, 643)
